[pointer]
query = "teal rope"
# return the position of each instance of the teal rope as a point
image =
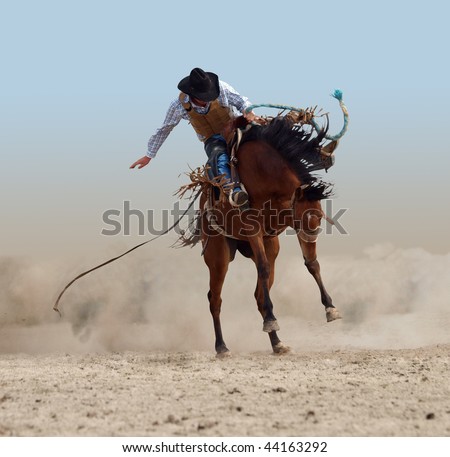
(270, 105)
(337, 94)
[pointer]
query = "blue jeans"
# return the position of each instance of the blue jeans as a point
(218, 160)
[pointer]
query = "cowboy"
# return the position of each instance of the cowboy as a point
(208, 104)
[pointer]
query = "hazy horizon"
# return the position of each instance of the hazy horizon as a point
(85, 85)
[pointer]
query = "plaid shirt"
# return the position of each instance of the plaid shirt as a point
(228, 97)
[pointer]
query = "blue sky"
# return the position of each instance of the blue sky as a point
(84, 85)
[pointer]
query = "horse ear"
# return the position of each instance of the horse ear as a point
(329, 148)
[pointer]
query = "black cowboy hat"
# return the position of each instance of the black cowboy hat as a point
(201, 84)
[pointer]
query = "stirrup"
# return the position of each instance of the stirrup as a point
(238, 199)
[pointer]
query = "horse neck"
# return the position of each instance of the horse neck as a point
(265, 173)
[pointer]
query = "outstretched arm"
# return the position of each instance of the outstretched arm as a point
(173, 117)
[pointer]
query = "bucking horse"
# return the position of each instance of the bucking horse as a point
(276, 164)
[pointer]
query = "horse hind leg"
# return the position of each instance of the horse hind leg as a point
(217, 258)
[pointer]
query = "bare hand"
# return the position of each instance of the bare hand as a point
(252, 117)
(142, 162)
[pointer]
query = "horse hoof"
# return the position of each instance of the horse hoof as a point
(271, 326)
(281, 348)
(332, 314)
(223, 355)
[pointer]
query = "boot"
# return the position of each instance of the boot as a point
(238, 197)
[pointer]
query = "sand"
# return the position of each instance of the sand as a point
(331, 393)
(133, 354)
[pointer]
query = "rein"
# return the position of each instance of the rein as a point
(337, 94)
(55, 307)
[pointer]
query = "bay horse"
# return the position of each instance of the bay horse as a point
(275, 162)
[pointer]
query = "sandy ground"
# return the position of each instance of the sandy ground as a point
(133, 354)
(332, 393)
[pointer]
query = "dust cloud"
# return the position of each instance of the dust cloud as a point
(155, 299)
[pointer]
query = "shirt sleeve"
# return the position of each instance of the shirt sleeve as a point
(173, 117)
(232, 97)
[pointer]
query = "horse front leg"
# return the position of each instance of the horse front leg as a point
(312, 264)
(309, 216)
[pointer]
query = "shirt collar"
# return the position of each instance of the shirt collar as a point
(197, 106)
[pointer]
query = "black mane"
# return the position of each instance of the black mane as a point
(300, 148)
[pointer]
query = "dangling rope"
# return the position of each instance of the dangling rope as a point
(337, 94)
(55, 307)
